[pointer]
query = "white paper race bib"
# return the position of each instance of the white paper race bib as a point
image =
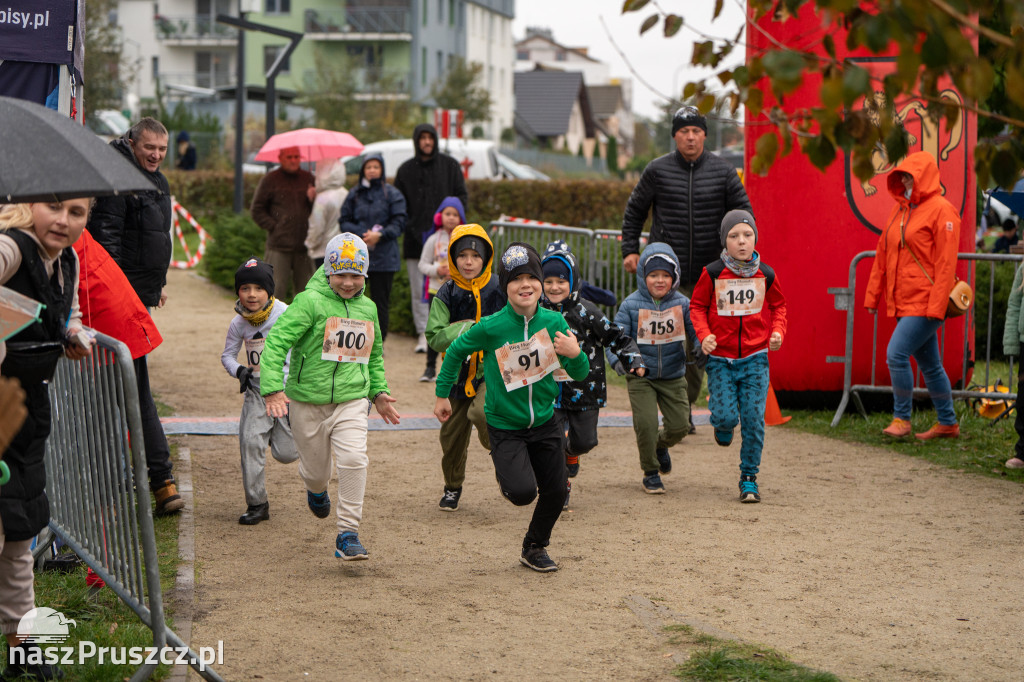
(347, 340)
(656, 327)
(528, 361)
(253, 352)
(561, 375)
(739, 297)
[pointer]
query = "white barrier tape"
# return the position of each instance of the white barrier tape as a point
(193, 259)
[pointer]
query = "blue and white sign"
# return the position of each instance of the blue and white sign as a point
(37, 30)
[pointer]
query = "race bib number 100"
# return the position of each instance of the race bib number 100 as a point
(348, 340)
(655, 327)
(739, 297)
(528, 361)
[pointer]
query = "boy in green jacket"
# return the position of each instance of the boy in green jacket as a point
(336, 368)
(523, 345)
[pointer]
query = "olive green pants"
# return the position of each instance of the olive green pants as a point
(455, 436)
(646, 397)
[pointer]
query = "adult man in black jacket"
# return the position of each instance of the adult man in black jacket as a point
(425, 180)
(691, 190)
(136, 230)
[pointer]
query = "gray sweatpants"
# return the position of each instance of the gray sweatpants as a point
(17, 596)
(256, 430)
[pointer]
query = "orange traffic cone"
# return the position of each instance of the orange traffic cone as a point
(772, 414)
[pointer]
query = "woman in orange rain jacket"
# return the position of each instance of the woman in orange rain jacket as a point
(914, 272)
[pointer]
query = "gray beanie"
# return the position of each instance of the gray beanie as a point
(734, 218)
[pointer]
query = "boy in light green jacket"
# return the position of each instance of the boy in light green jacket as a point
(337, 369)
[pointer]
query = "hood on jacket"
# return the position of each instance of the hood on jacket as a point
(424, 128)
(559, 250)
(450, 202)
(481, 280)
(124, 146)
(656, 256)
(374, 156)
(183, 136)
(922, 167)
(330, 174)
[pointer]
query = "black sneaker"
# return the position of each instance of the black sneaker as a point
(568, 490)
(723, 438)
(748, 489)
(536, 557)
(664, 461)
(693, 429)
(319, 504)
(450, 500)
(572, 464)
(254, 514)
(428, 374)
(653, 484)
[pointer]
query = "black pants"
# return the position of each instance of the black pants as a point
(431, 353)
(529, 461)
(380, 294)
(582, 428)
(158, 455)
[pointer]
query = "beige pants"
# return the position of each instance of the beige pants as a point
(338, 432)
(17, 595)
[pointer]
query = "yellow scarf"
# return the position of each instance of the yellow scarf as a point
(257, 318)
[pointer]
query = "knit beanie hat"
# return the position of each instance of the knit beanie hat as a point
(255, 271)
(734, 218)
(519, 258)
(555, 266)
(450, 202)
(471, 241)
(688, 116)
(346, 254)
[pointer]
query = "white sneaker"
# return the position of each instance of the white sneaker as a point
(421, 345)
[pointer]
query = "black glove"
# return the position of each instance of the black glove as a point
(244, 375)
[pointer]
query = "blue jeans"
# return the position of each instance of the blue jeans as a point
(738, 391)
(916, 336)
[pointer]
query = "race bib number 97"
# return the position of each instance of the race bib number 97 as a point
(739, 297)
(347, 340)
(656, 327)
(528, 361)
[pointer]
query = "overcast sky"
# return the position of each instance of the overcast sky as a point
(662, 62)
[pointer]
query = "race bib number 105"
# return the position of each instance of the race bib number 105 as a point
(347, 340)
(739, 297)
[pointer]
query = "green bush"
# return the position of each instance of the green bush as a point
(1003, 282)
(233, 240)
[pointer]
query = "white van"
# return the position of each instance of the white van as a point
(482, 153)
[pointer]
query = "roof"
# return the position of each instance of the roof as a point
(579, 51)
(604, 99)
(544, 101)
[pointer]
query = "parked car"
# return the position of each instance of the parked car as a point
(482, 155)
(109, 124)
(513, 170)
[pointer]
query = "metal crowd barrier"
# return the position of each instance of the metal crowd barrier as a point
(97, 483)
(598, 252)
(844, 301)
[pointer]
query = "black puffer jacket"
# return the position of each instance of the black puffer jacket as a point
(136, 230)
(689, 198)
(425, 182)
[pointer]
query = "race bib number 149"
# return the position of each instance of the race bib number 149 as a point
(347, 340)
(739, 297)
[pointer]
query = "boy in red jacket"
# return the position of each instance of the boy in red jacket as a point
(739, 313)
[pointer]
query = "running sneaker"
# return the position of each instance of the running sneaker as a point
(572, 464)
(653, 484)
(319, 504)
(450, 500)
(723, 438)
(664, 461)
(748, 489)
(349, 548)
(428, 374)
(536, 557)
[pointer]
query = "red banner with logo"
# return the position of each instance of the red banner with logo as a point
(811, 223)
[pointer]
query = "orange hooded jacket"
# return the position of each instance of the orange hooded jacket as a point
(927, 226)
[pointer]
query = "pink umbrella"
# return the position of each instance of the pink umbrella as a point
(313, 143)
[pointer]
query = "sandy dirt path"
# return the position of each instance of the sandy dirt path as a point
(861, 562)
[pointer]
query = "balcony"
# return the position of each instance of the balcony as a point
(194, 30)
(197, 79)
(359, 23)
(372, 82)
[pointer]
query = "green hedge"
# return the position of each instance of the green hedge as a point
(209, 196)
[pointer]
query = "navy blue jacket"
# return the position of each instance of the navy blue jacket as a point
(375, 202)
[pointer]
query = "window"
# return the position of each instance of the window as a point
(440, 64)
(155, 67)
(278, 7)
(426, 9)
(522, 55)
(451, 12)
(440, 11)
(423, 66)
(560, 56)
(270, 53)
